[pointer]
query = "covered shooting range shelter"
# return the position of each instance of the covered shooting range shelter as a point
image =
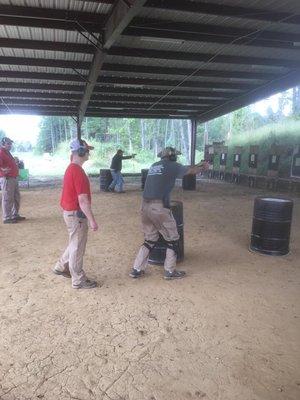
(145, 58)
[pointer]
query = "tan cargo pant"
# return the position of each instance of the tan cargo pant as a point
(10, 198)
(72, 257)
(157, 220)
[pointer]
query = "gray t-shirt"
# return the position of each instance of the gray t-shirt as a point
(161, 180)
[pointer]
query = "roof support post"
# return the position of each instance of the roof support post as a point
(122, 14)
(193, 140)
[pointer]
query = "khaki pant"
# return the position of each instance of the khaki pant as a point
(10, 198)
(157, 220)
(72, 257)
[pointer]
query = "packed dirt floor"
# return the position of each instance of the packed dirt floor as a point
(229, 331)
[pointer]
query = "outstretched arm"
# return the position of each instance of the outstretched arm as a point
(200, 167)
(128, 157)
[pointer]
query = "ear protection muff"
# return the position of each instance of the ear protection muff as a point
(83, 150)
(172, 155)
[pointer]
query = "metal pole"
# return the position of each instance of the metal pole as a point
(193, 140)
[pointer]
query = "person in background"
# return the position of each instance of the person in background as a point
(19, 163)
(156, 215)
(9, 173)
(77, 213)
(116, 168)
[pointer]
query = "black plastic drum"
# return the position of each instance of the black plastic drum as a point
(144, 173)
(158, 253)
(271, 226)
(105, 179)
(189, 182)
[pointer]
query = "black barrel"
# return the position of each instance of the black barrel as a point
(144, 173)
(158, 253)
(189, 182)
(271, 225)
(105, 179)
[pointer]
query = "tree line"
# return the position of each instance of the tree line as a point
(150, 135)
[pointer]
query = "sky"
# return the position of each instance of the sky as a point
(20, 127)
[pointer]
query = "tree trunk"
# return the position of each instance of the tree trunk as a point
(183, 136)
(65, 129)
(142, 135)
(166, 133)
(52, 135)
(86, 128)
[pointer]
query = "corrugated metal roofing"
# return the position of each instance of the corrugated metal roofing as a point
(187, 48)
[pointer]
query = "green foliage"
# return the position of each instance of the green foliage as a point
(2, 134)
(285, 134)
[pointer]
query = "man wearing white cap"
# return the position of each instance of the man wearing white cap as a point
(157, 217)
(77, 213)
(9, 172)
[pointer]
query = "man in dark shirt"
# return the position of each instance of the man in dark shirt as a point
(157, 217)
(116, 168)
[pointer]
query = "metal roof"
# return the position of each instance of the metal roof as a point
(145, 58)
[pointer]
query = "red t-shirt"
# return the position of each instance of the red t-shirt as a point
(7, 161)
(75, 183)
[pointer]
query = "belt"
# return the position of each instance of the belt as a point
(153, 200)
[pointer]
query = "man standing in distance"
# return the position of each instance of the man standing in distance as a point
(157, 217)
(77, 213)
(9, 172)
(116, 168)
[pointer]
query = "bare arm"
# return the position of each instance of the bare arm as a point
(85, 206)
(195, 169)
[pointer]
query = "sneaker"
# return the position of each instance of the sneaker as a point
(10, 221)
(134, 273)
(66, 273)
(19, 218)
(174, 275)
(121, 191)
(85, 285)
(110, 190)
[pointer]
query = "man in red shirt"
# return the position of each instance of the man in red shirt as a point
(77, 212)
(9, 172)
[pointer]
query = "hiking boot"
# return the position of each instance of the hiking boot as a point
(85, 285)
(19, 218)
(65, 274)
(134, 273)
(174, 275)
(10, 221)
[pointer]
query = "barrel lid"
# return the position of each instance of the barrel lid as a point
(275, 199)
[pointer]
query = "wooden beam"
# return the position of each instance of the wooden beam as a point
(65, 47)
(121, 15)
(114, 106)
(95, 113)
(51, 24)
(43, 62)
(223, 10)
(42, 86)
(178, 93)
(107, 80)
(108, 98)
(277, 85)
(136, 69)
(165, 29)
(201, 57)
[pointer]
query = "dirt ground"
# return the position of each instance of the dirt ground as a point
(229, 331)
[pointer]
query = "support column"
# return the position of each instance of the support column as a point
(193, 140)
